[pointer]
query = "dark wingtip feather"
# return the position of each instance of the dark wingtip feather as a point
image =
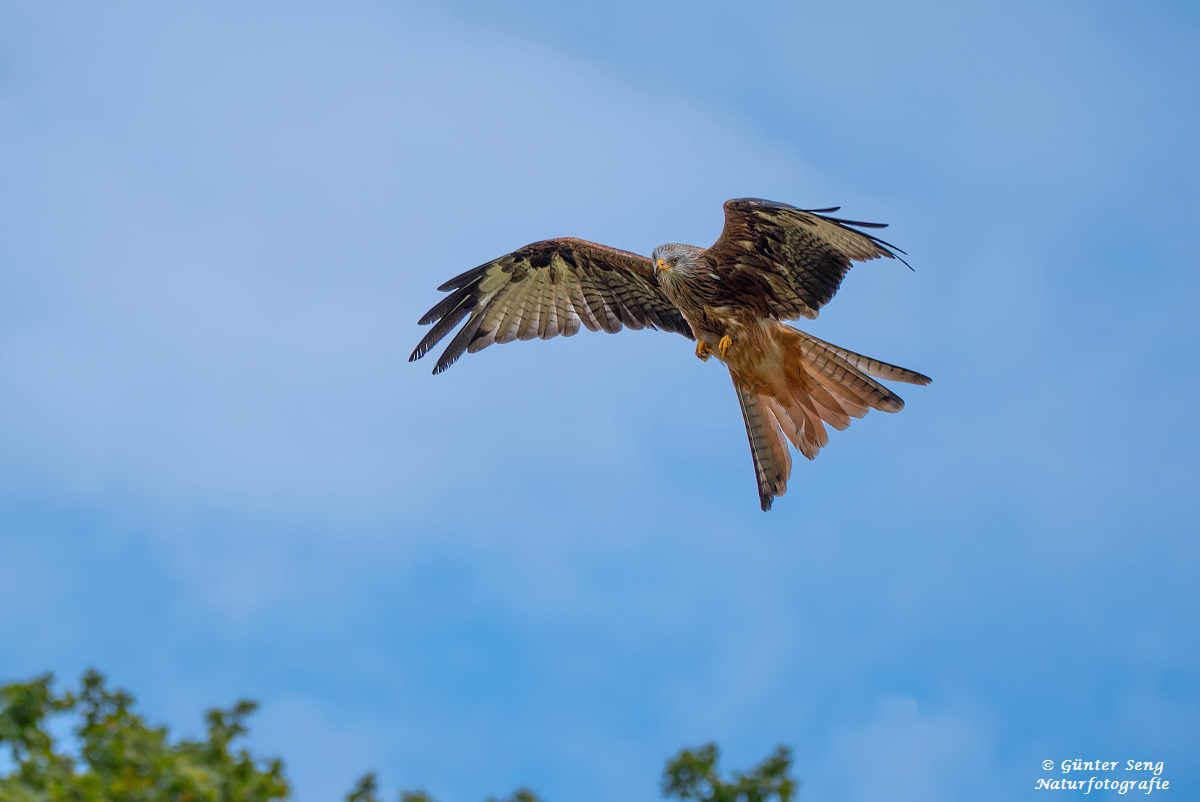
(446, 306)
(434, 335)
(890, 249)
(770, 204)
(458, 345)
(901, 259)
(462, 279)
(857, 223)
(444, 363)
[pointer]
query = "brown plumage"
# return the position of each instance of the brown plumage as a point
(772, 263)
(544, 290)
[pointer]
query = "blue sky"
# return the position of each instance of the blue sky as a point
(219, 476)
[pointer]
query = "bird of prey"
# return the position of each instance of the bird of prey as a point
(772, 263)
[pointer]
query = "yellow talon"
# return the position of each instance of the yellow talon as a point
(703, 351)
(724, 345)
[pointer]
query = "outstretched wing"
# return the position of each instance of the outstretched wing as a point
(544, 290)
(796, 257)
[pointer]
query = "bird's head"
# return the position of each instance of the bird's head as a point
(675, 259)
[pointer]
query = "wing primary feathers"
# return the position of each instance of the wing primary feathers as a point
(446, 306)
(462, 279)
(439, 331)
(790, 260)
(459, 344)
(514, 302)
(873, 238)
(548, 289)
(886, 244)
(858, 223)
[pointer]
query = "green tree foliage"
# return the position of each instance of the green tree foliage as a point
(521, 795)
(121, 758)
(692, 774)
(365, 791)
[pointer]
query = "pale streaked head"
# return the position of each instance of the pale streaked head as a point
(675, 256)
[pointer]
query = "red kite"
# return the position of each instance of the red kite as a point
(772, 263)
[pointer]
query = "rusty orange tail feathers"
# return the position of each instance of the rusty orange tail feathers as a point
(821, 384)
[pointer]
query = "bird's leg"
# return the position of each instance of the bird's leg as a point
(724, 345)
(703, 352)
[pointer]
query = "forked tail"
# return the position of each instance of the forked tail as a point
(823, 384)
(772, 459)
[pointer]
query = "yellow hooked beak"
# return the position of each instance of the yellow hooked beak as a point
(662, 265)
